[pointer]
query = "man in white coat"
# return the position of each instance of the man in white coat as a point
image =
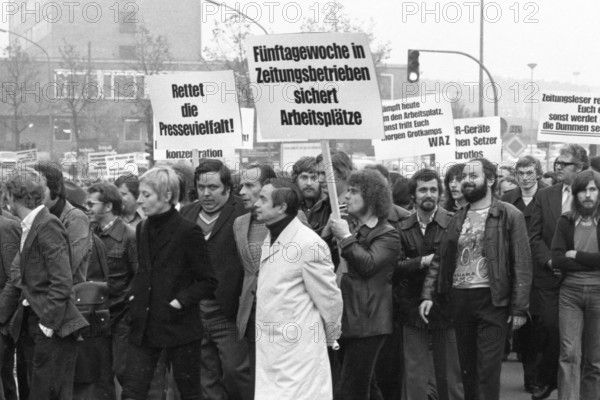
(299, 306)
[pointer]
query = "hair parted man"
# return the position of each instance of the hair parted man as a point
(296, 294)
(225, 362)
(484, 265)
(549, 204)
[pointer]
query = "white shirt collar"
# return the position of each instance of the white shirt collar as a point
(28, 220)
(578, 221)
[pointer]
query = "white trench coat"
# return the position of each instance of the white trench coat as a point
(299, 307)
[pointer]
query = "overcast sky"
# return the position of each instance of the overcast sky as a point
(559, 36)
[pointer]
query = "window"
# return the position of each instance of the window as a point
(124, 87)
(77, 85)
(62, 130)
(386, 86)
(127, 52)
(127, 22)
(133, 130)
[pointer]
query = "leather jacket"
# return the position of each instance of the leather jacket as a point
(506, 249)
(371, 256)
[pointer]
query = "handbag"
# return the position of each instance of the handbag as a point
(92, 298)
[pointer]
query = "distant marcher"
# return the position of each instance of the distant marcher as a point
(454, 198)
(129, 188)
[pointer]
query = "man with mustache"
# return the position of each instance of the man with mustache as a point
(549, 204)
(484, 265)
(315, 203)
(420, 237)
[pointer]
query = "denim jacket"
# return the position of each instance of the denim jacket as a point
(506, 247)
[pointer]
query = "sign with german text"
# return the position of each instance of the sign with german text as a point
(417, 126)
(195, 110)
(315, 86)
(247, 128)
(477, 138)
(569, 117)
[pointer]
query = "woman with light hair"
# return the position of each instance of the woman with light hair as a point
(174, 274)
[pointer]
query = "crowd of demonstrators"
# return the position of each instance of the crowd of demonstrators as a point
(260, 293)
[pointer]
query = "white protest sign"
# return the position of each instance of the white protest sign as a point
(292, 152)
(247, 128)
(416, 126)
(569, 117)
(477, 138)
(27, 156)
(315, 86)
(195, 110)
(128, 163)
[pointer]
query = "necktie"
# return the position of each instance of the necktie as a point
(567, 199)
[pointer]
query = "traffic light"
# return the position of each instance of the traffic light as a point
(412, 70)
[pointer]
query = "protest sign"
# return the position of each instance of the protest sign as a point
(315, 86)
(477, 138)
(292, 152)
(247, 128)
(128, 163)
(417, 126)
(569, 117)
(27, 156)
(195, 110)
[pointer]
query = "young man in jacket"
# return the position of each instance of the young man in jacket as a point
(420, 236)
(575, 251)
(484, 264)
(36, 305)
(529, 174)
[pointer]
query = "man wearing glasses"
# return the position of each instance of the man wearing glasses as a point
(549, 204)
(528, 174)
(105, 206)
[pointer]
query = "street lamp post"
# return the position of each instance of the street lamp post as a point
(50, 119)
(481, 21)
(532, 66)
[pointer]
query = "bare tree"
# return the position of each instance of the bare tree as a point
(19, 72)
(333, 18)
(77, 89)
(152, 55)
(227, 50)
(460, 110)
